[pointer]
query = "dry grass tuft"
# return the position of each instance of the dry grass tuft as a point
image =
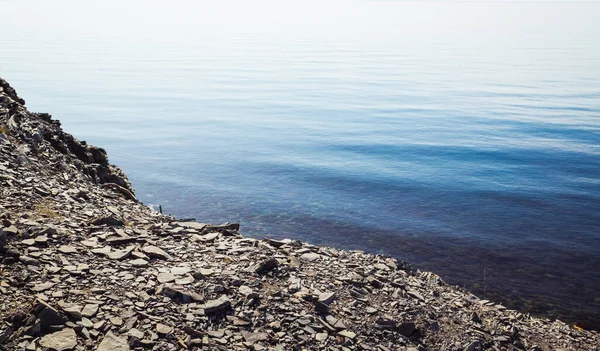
(45, 210)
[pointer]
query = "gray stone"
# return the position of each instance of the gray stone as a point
(67, 249)
(111, 342)
(310, 256)
(165, 277)
(163, 329)
(140, 262)
(327, 297)
(267, 266)
(217, 305)
(154, 251)
(63, 340)
(43, 286)
(89, 310)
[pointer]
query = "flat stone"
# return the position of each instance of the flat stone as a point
(89, 310)
(28, 242)
(154, 251)
(63, 340)
(254, 337)
(267, 266)
(163, 329)
(180, 270)
(165, 277)
(106, 250)
(140, 262)
(310, 256)
(321, 336)
(217, 305)
(347, 334)
(43, 286)
(136, 333)
(116, 321)
(86, 323)
(327, 297)
(73, 311)
(67, 249)
(121, 254)
(111, 342)
(245, 290)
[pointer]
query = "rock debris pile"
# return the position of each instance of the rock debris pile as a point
(85, 266)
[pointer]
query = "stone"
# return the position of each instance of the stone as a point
(267, 266)
(165, 277)
(217, 305)
(255, 337)
(43, 286)
(67, 249)
(327, 297)
(347, 334)
(89, 310)
(73, 311)
(136, 333)
(111, 342)
(310, 256)
(63, 340)
(163, 329)
(140, 262)
(110, 220)
(156, 252)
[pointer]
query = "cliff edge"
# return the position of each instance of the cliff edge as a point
(85, 266)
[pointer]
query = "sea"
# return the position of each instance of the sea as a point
(462, 137)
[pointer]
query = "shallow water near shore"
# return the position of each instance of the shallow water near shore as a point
(473, 153)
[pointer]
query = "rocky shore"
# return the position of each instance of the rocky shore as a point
(86, 266)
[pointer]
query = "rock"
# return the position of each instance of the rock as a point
(67, 249)
(43, 286)
(63, 340)
(217, 305)
(182, 294)
(111, 342)
(73, 311)
(321, 336)
(267, 266)
(255, 337)
(347, 334)
(310, 256)
(165, 277)
(89, 310)
(110, 220)
(156, 252)
(163, 329)
(136, 333)
(140, 262)
(327, 298)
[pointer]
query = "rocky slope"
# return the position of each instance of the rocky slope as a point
(85, 266)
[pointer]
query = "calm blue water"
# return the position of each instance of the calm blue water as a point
(460, 146)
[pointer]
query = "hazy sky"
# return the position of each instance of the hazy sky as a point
(306, 19)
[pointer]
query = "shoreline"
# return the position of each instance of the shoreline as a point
(85, 265)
